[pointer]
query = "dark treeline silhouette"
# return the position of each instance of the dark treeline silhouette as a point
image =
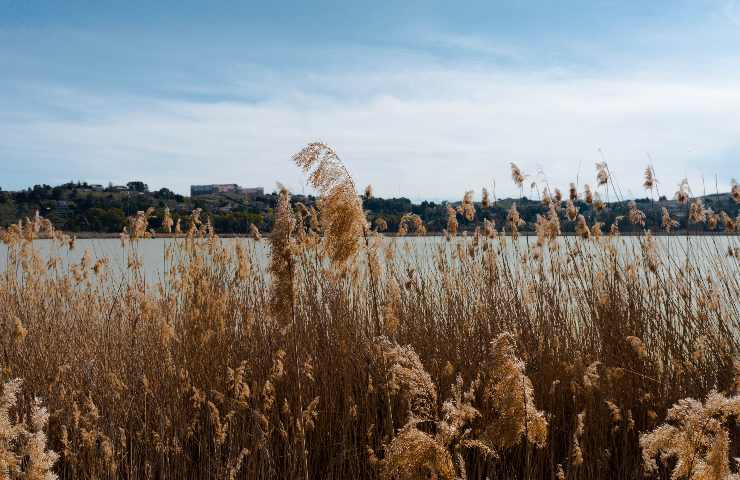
(80, 207)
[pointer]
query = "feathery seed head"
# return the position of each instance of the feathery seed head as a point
(342, 216)
(467, 209)
(588, 195)
(602, 173)
(667, 222)
(582, 229)
(649, 180)
(516, 175)
(696, 212)
(571, 210)
(636, 216)
(414, 454)
(558, 197)
(485, 201)
(573, 192)
(451, 221)
(546, 200)
(682, 194)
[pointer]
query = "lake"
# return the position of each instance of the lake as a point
(152, 251)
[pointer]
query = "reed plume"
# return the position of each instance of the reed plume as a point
(571, 210)
(576, 454)
(696, 436)
(546, 199)
(409, 380)
(466, 208)
(414, 454)
(550, 227)
(282, 266)
(697, 213)
(588, 195)
(167, 222)
(596, 230)
(602, 173)
(636, 216)
(451, 221)
(485, 201)
(558, 197)
(712, 219)
(573, 192)
(511, 394)
(489, 228)
(682, 194)
(582, 229)
(23, 450)
(726, 221)
(598, 202)
(254, 232)
(139, 223)
(380, 224)
(341, 213)
(515, 220)
(413, 220)
(649, 180)
(667, 222)
(516, 175)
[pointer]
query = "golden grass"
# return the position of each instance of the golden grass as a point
(479, 357)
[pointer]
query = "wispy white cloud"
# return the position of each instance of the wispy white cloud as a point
(427, 108)
(491, 48)
(424, 132)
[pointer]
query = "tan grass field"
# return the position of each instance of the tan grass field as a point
(570, 358)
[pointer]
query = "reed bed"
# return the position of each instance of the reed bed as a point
(355, 355)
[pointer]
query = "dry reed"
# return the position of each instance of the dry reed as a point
(346, 354)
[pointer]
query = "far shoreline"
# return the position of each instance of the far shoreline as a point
(117, 236)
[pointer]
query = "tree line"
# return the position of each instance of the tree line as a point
(77, 207)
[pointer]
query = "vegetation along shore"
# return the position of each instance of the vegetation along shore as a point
(91, 211)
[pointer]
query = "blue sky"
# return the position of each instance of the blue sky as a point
(428, 99)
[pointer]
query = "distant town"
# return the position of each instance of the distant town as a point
(196, 190)
(96, 209)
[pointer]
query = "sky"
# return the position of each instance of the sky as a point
(423, 99)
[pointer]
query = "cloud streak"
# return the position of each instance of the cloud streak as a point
(421, 102)
(420, 132)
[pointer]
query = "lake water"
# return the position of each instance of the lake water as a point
(152, 251)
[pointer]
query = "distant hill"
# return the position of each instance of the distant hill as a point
(79, 207)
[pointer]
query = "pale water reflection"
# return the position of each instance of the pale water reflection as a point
(151, 252)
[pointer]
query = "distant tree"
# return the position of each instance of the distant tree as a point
(103, 220)
(137, 186)
(165, 194)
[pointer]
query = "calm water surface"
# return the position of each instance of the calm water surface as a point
(152, 251)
